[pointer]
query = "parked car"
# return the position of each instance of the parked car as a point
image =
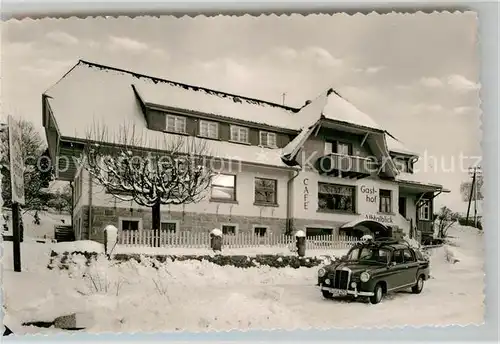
(374, 268)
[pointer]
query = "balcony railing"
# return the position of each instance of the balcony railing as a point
(346, 166)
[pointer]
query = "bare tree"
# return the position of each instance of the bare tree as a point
(38, 172)
(170, 170)
(444, 219)
(466, 186)
(62, 200)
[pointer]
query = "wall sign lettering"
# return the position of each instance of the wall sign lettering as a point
(380, 218)
(370, 193)
(306, 193)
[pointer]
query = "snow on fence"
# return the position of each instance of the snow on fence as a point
(146, 238)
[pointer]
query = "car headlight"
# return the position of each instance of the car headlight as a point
(365, 277)
(321, 272)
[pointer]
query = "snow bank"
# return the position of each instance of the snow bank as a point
(197, 296)
(248, 251)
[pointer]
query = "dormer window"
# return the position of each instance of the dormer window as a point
(268, 139)
(239, 134)
(401, 165)
(336, 147)
(209, 129)
(176, 124)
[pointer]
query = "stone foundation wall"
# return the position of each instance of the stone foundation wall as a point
(194, 222)
(302, 224)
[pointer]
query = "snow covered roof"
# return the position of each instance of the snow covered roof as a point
(218, 104)
(339, 109)
(397, 146)
(91, 96)
(418, 179)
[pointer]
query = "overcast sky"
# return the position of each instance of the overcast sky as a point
(415, 74)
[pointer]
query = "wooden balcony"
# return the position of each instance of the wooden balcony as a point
(346, 166)
(425, 226)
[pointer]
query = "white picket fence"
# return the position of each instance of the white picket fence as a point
(146, 238)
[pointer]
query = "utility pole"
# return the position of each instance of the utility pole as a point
(473, 193)
(283, 95)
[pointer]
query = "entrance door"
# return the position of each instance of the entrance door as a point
(402, 206)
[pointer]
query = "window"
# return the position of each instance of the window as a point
(328, 147)
(401, 165)
(267, 139)
(129, 225)
(397, 257)
(239, 134)
(176, 124)
(385, 201)
(169, 226)
(336, 197)
(338, 148)
(223, 187)
(229, 229)
(424, 212)
(369, 254)
(343, 148)
(265, 191)
(408, 256)
(209, 129)
(260, 231)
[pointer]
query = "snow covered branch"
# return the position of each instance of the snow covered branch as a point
(131, 167)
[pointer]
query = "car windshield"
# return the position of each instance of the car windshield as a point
(368, 254)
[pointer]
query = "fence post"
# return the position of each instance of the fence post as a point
(300, 237)
(216, 239)
(110, 239)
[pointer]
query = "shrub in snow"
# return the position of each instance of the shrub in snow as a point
(65, 261)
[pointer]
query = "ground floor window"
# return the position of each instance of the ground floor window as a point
(228, 229)
(260, 230)
(169, 226)
(385, 205)
(336, 197)
(312, 231)
(129, 224)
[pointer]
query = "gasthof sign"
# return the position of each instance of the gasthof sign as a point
(16, 161)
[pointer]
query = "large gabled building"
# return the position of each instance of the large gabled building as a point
(324, 167)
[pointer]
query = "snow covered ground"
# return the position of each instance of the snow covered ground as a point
(200, 296)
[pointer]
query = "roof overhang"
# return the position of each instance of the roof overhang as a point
(363, 222)
(417, 188)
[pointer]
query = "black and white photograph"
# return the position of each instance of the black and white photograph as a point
(194, 174)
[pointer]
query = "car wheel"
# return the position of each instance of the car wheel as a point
(417, 288)
(327, 294)
(378, 293)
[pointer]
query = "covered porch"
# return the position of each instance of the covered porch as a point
(363, 226)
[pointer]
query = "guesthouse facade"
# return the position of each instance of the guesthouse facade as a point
(324, 168)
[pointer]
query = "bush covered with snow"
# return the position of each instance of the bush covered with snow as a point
(65, 260)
